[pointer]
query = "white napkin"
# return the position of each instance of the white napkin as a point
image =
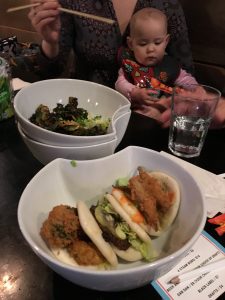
(18, 84)
(212, 186)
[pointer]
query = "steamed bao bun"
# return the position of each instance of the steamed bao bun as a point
(96, 250)
(152, 200)
(75, 238)
(129, 241)
(167, 218)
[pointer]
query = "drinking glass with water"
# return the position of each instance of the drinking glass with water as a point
(191, 114)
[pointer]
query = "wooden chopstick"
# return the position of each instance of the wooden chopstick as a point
(21, 7)
(74, 12)
(81, 14)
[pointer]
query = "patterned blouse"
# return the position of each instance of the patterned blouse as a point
(95, 44)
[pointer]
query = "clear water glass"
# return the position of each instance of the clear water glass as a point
(192, 110)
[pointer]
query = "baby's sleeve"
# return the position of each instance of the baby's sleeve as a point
(122, 85)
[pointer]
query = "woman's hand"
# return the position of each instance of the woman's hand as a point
(165, 115)
(45, 18)
(218, 120)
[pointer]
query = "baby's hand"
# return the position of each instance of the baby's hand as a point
(143, 96)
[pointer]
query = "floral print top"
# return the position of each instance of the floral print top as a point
(95, 44)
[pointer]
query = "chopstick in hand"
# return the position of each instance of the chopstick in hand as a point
(214, 266)
(74, 12)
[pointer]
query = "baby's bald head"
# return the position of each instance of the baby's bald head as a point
(145, 14)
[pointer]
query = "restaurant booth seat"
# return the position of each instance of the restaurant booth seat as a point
(206, 26)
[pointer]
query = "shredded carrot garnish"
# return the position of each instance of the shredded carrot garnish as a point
(123, 200)
(138, 218)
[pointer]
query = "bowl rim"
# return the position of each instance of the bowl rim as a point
(57, 134)
(114, 272)
(23, 134)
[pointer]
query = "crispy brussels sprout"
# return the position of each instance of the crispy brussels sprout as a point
(69, 119)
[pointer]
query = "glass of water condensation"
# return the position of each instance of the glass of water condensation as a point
(191, 113)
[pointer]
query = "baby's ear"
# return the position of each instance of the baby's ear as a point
(167, 39)
(129, 43)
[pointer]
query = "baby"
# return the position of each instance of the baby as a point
(147, 72)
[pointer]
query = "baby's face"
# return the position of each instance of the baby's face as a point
(148, 41)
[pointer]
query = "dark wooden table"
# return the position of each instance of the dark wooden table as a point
(23, 276)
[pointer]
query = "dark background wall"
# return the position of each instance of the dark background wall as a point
(206, 24)
(205, 20)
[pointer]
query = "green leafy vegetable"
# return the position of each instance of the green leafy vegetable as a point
(73, 163)
(122, 181)
(69, 119)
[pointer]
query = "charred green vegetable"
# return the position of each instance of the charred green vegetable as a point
(69, 119)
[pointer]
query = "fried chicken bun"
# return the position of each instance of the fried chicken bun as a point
(75, 238)
(151, 199)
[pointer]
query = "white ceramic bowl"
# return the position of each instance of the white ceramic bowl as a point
(46, 153)
(70, 184)
(95, 98)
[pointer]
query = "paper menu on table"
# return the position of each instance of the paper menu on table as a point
(205, 286)
(212, 186)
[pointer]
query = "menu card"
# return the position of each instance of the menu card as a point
(204, 286)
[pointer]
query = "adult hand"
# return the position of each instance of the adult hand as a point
(218, 120)
(165, 115)
(46, 21)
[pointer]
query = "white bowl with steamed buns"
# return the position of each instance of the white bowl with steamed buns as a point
(86, 181)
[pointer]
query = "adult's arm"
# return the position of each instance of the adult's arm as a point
(57, 32)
